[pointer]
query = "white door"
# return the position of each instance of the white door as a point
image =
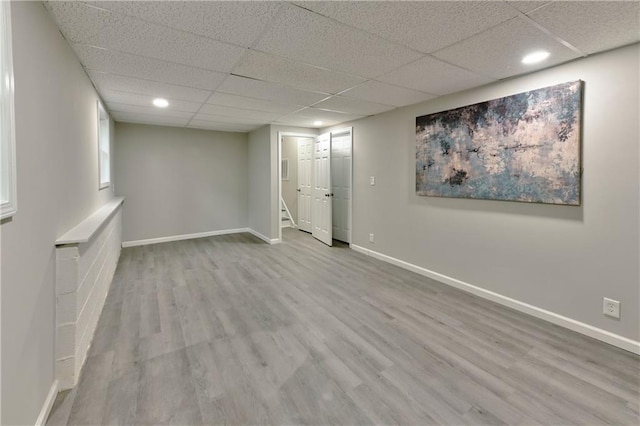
(305, 156)
(322, 210)
(341, 184)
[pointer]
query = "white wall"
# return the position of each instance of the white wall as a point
(562, 259)
(57, 178)
(290, 187)
(180, 181)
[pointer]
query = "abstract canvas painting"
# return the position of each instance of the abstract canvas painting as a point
(524, 147)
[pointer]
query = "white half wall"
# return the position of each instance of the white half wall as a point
(84, 272)
(180, 181)
(57, 179)
(560, 259)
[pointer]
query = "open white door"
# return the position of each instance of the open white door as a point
(322, 205)
(305, 156)
(341, 142)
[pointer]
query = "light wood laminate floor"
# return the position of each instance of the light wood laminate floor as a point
(229, 330)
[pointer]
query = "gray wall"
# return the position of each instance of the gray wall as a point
(260, 188)
(180, 181)
(57, 178)
(562, 259)
(289, 187)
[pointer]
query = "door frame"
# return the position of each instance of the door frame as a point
(281, 135)
(341, 130)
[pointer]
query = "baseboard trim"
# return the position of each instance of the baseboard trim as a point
(183, 237)
(263, 237)
(552, 317)
(48, 404)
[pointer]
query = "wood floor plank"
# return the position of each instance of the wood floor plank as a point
(229, 330)
(166, 394)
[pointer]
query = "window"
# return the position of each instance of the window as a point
(8, 200)
(104, 161)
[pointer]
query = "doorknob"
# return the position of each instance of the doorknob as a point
(298, 189)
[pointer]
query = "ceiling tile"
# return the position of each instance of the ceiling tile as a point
(157, 120)
(352, 106)
(375, 91)
(307, 37)
(262, 66)
(113, 96)
(115, 62)
(233, 22)
(78, 21)
(145, 87)
(525, 6)
(251, 103)
(434, 76)
(226, 119)
(275, 92)
(223, 126)
(307, 116)
(238, 112)
(135, 109)
(592, 26)
(302, 122)
(81, 23)
(498, 51)
(423, 25)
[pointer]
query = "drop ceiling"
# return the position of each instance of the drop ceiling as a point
(238, 65)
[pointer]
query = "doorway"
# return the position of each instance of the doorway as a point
(315, 186)
(295, 181)
(287, 153)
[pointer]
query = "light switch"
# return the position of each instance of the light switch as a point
(372, 180)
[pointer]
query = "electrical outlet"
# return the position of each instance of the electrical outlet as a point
(372, 238)
(611, 308)
(372, 180)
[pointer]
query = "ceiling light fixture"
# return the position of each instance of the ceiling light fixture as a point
(161, 102)
(317, 123)
(535, 57)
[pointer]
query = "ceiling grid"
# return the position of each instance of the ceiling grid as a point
(238, 65)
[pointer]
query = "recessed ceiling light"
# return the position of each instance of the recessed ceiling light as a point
(535, 57)
(317, 123)
(161, 102)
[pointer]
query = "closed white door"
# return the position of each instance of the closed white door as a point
(305, 157)
(341, 185)
(322, 205)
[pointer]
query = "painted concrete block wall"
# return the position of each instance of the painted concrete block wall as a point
(81, 290)
(57, 179)
(558, 258)
(180, 181)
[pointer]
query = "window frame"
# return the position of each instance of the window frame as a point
(8, 206)
(102, 118)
